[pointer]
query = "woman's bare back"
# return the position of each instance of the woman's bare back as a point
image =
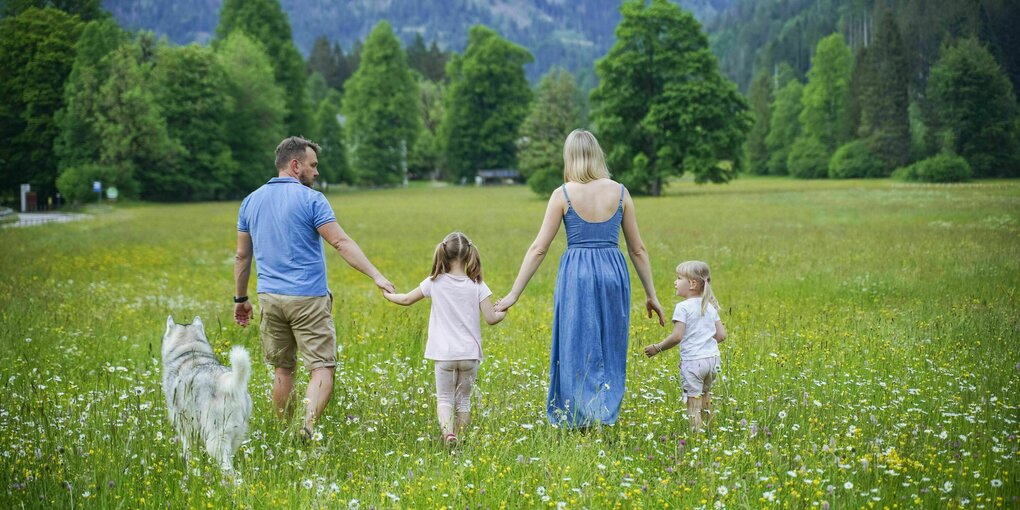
(595, 201)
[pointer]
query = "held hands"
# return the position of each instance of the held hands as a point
(504, 304)
(384, 285)
(652, 305)
(242, 313)
(392, 297)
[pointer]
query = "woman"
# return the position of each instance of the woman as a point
(591, 315)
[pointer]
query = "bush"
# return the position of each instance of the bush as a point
(809, 159)
(545, 180)
(855, 160)
(75, 183)
(940, 168)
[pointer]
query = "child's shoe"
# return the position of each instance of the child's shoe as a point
(450, 440)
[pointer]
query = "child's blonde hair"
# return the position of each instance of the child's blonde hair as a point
(457, 247)
(583, 160)
(698, 272)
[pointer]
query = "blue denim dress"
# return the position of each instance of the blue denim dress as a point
(591, 317)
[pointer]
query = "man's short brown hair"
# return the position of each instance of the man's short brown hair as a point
(293, 148)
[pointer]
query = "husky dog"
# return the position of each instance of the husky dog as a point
(207, 401)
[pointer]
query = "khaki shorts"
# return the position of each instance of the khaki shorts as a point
(288, 324)
(698, 375)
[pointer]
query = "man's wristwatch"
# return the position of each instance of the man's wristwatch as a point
(241, 299)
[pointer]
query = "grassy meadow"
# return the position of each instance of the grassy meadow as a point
(873, 358)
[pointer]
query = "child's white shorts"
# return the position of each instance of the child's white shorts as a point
(698, 374)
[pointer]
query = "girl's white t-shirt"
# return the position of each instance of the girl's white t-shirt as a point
(455, 331)
(698, 341)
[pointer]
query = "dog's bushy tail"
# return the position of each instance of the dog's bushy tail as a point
(240, 371)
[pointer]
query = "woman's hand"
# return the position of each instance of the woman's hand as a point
(505, 303)
(652, 305)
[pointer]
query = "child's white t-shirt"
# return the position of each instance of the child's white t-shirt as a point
(698, 341)
(455, 332)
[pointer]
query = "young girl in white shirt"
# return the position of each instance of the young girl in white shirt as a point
(459, 298)
(699, 330)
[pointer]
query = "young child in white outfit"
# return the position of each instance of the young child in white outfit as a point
(699, 330)
(459, 299)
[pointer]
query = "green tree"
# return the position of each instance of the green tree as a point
(661, 107)
(884, 96)
(190, 88)
(37, 51)
(136, 152)
(317, 88)
(382, 110)
(430, 62)
(256, 113)
(971, 105)
(554, 114)
(329, 134)
(760, 99)
(265, 22)
(486, 102)
(825, 95)
(425, 158)
(78, 140)
(784, 115)
(86, 10)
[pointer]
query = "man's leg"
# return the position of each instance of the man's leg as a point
(320, 390)
(283, 387)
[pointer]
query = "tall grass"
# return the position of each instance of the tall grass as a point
(872, 359)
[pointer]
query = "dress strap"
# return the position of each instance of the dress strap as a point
(564, 188)
(622, 189)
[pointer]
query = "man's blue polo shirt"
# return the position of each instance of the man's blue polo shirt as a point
(281, 217)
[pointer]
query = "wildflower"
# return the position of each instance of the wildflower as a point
(307, 483)
(769, 496)
(848, 485)
(723, 490)
(353, 504)
(947, 487)
(996, 483)
(540, 490)
(782, 415)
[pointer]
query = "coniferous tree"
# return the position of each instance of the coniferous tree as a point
(972, 110)
(425, 159)
(486, 102)
(785, 125)
(760, 99)
(256, 113)
(382, 109)
(86, 10)
(37, 52)
(826, 92)
(554, 114)
(884, 97)
(329, 134)
(265, 22)
(662, 108)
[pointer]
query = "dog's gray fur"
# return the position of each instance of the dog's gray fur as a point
(207, 401)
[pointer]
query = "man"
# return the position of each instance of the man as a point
(281, 223)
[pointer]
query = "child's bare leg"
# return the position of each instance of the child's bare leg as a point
(463, 421)
(445, 414)
(694, 413)
(706, 410)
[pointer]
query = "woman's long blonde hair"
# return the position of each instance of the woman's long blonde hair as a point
(457, 247)
(698, 272)
(583, 160)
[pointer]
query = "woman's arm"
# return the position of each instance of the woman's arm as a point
(720, 332)
(669, 342)
(639, 257)
(491, 316)
(536, 253)
(405, 299)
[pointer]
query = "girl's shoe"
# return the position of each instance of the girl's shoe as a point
(450, 440)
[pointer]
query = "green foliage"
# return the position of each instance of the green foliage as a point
(382, 110)
(486, 102)
(430, 62)
(969, 95)
(785, 125)
(825, 95)
(37, 51)
(316, 87)
(425, 159)
(943, 167)
(855, 160)
(761, 99)
(808, 159)
(78, 141)
(554, 114)
(329, 134)
(75, 182)
(135, 145)
(254, 120)
(85, 10)
(662, 108)
(265, 22)
(883, 97)
(331, 63)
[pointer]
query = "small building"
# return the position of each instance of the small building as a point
(497, 176)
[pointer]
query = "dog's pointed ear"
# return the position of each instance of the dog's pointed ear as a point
(170, 321)
(198, 322)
